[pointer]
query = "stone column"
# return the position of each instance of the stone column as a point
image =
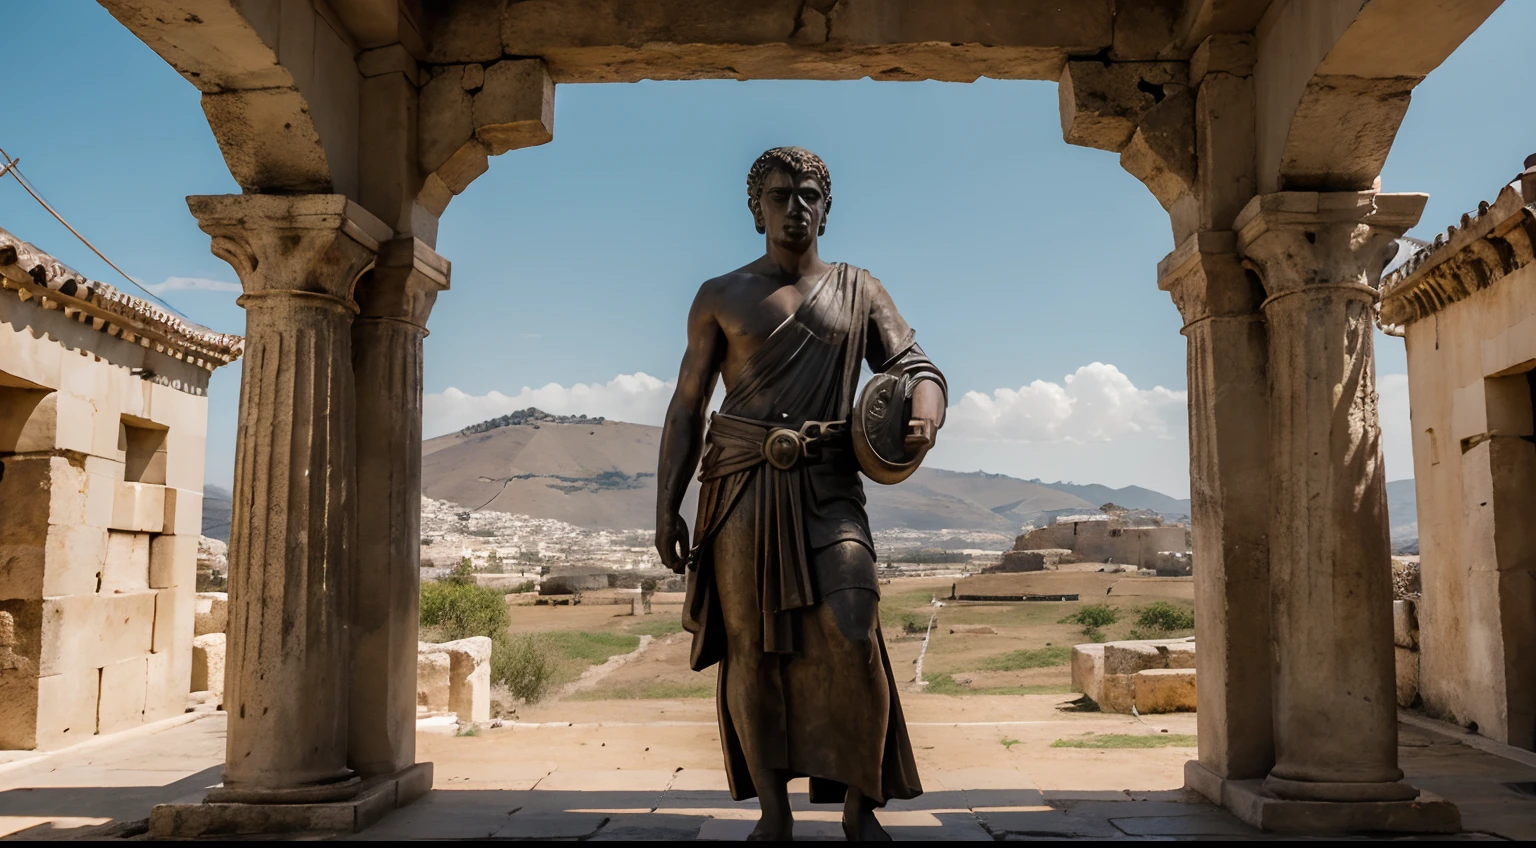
(1335, 715)
(395, 299)
(291, 534)
(1229, 504)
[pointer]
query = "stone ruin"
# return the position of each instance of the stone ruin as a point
(103, 418)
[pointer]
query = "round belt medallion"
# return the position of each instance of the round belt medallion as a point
(782, 448)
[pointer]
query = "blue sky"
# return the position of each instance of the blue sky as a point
(1020, 260)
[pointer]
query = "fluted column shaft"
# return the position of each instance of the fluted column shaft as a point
(291, 534)
(396, 299)
(1320, 256)
(1229, 502)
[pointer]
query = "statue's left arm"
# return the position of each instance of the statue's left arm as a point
(891, 346)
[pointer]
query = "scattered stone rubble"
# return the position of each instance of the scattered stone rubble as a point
(1153, 675)
(454, 677)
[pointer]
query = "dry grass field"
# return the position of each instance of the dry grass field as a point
(1027, 652)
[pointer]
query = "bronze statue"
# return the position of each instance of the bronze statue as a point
(782, 590)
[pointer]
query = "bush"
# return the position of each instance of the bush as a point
(1164, 617)
(460, 610)
(1093, 617)
(522, 664)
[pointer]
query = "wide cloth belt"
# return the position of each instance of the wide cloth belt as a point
(781, 447)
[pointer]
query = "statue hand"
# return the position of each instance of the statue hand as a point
(672, 542)
(920, 435)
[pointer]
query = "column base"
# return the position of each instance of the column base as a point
(197, 816)
(1251, 802)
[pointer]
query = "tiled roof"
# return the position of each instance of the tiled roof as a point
(31, 273)
(1496, 240)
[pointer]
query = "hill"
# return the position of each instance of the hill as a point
(217, 503)
(601, 474)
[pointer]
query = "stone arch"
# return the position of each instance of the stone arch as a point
(1333, 79)
(275, 78)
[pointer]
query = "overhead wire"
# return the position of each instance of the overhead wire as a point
(12, 168)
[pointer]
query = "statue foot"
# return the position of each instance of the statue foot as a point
(773, 829)
(863, 827)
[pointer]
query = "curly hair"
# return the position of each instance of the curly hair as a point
(796, 161)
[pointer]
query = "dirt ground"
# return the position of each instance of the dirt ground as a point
(1027, 654)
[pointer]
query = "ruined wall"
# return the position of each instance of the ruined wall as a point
(1105, 541)
(101, 470)
(1474, 462)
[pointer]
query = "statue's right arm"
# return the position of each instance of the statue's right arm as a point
(682, 435)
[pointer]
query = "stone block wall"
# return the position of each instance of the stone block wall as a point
(1472, 392)
(1107, 541)
(101, 465)
(455, 677)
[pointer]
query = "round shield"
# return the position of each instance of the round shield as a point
(880, 430)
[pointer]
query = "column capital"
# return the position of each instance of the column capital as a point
(405, 282)
(301, 245)
(1302, 239)
(1206, 278)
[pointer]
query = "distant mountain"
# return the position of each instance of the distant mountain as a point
(1403, 516)
(1133, 497)
(217, 502)
(601, 474)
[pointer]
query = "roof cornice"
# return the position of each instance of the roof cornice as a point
(33, 274)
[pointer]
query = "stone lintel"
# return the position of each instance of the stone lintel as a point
(313, 244)
(193, 817)
(1248, 800)
(405, 283)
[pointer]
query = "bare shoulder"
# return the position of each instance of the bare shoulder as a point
(716, 288)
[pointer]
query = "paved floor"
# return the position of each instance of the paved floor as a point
(658, 778)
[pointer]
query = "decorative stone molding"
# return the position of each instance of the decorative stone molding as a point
(312, 245)
(1307, 239)
(1204, 277)
(405, 283)
(1499, 239)
(31, 273)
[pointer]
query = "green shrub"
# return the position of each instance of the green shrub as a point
(522, 664)
(1093, 616)
(1164, 617)
(459, 610)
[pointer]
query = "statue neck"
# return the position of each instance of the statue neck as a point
(794, 262)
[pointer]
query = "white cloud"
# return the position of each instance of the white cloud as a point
(1096, 403)
(1095, 426)
(192, 284)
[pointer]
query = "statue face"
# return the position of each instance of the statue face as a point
(793, 208)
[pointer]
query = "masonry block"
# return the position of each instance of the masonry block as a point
(66, 707)
(173, 561)
(139, 507)
(76, 556)
(175, 611)
(18, 708)
(1164, 690)
(208, 664)
(212, 613)
(127, 565)
(183, 512)
(170, 679)
(92, 631)
(123, 687)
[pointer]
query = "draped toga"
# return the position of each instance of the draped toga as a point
(795, 693)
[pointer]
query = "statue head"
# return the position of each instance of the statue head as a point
(790, 193)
